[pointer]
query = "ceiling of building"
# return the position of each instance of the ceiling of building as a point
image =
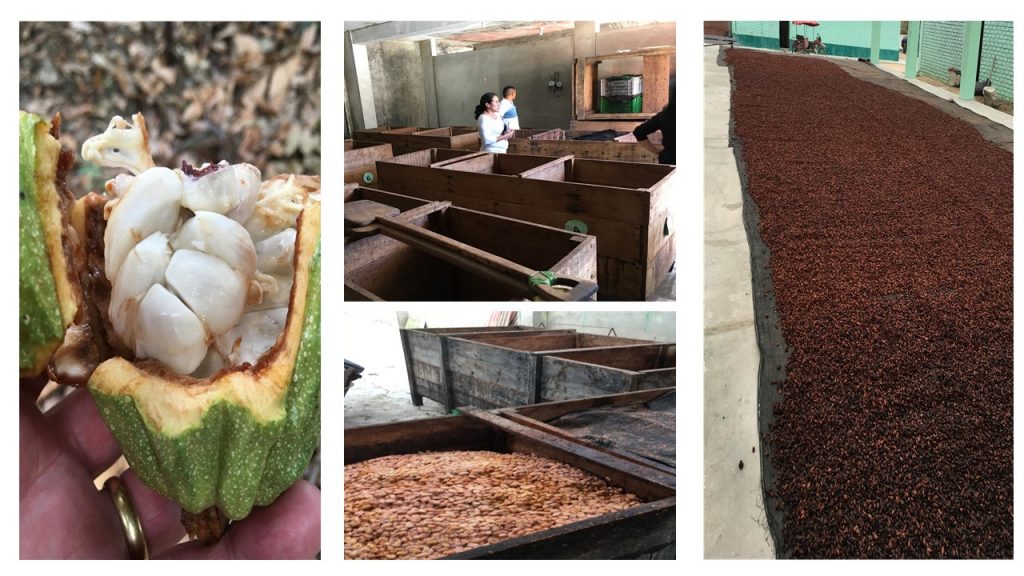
(465, 32)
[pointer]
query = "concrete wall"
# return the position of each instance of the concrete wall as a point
(461, 79)
(396, 75)
(997, 56)
(612, 41)
(846, 38)
(658, 326)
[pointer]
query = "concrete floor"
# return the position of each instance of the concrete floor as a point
(381, 395)
(734, 520)
(735, 525)
(899, 69)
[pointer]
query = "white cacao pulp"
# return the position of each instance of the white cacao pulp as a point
(200, 261)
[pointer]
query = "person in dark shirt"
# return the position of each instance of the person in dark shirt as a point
(666, 122)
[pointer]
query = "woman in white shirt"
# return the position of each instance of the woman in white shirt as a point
(494, 134)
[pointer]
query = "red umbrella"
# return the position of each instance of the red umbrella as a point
(805, 22)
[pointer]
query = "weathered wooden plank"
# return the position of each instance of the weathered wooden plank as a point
(626, 534)
(651, 379)
(356, 293)
(537, 247)
(446, 377)
(395, 271)
(400, 201)
(432, 156)
(539, 417)
(482, 163)
(425, 347)
(363, 252)
(566, 380)
(593, 200)
(624, 454)
(424, 357)
(473, 330)
(551, 410)
(486, 336)
(630, 476)
(556, 170)
(488, 374)
(585, 340)
(616, 239)
(635, 358)
(541, 134)
(400, 267)
(609, 150)
(661, 263)
(458, 139)
(598, 125)
(553, 341)
(397, 137)
(620, 279)
(444, 433)
(582, 262)
(615, 174)
(364, 212)
(657, 74)
(407, 351)
(361, 160)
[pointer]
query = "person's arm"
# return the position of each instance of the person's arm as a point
(652, 125)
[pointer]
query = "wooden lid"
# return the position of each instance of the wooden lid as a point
(364, 212)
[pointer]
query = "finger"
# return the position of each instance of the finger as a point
(78, 421)
(287, 529)
(160, 517)
(61, 513)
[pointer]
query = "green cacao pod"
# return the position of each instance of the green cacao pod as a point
(198, 294)
(50, 296)
(238, 438)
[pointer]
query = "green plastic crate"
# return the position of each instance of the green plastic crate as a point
(621, 104)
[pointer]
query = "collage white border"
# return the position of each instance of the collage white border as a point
(689, 218)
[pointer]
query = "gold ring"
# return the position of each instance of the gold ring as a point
(137, 548)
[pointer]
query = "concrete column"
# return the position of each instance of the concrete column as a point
(584, 38)
(584, 45)
(913, 49)
(969, 65)
(429, 83)
(876, 41)
(358, 88)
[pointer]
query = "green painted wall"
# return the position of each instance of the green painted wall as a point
(850, 38)
(997, 56)
(942, 48)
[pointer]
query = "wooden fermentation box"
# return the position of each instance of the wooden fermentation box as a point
(636, 426)
(559, 142)
(361, 160)
(410, 139)
(626, 205)
(515, 369)
(646, 530)
(466, 256)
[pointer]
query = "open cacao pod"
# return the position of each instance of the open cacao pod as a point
(188, 301)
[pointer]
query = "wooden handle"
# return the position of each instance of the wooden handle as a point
(506, 272)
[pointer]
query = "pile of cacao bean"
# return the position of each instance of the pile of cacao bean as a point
(890, 231)
(433, 504)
